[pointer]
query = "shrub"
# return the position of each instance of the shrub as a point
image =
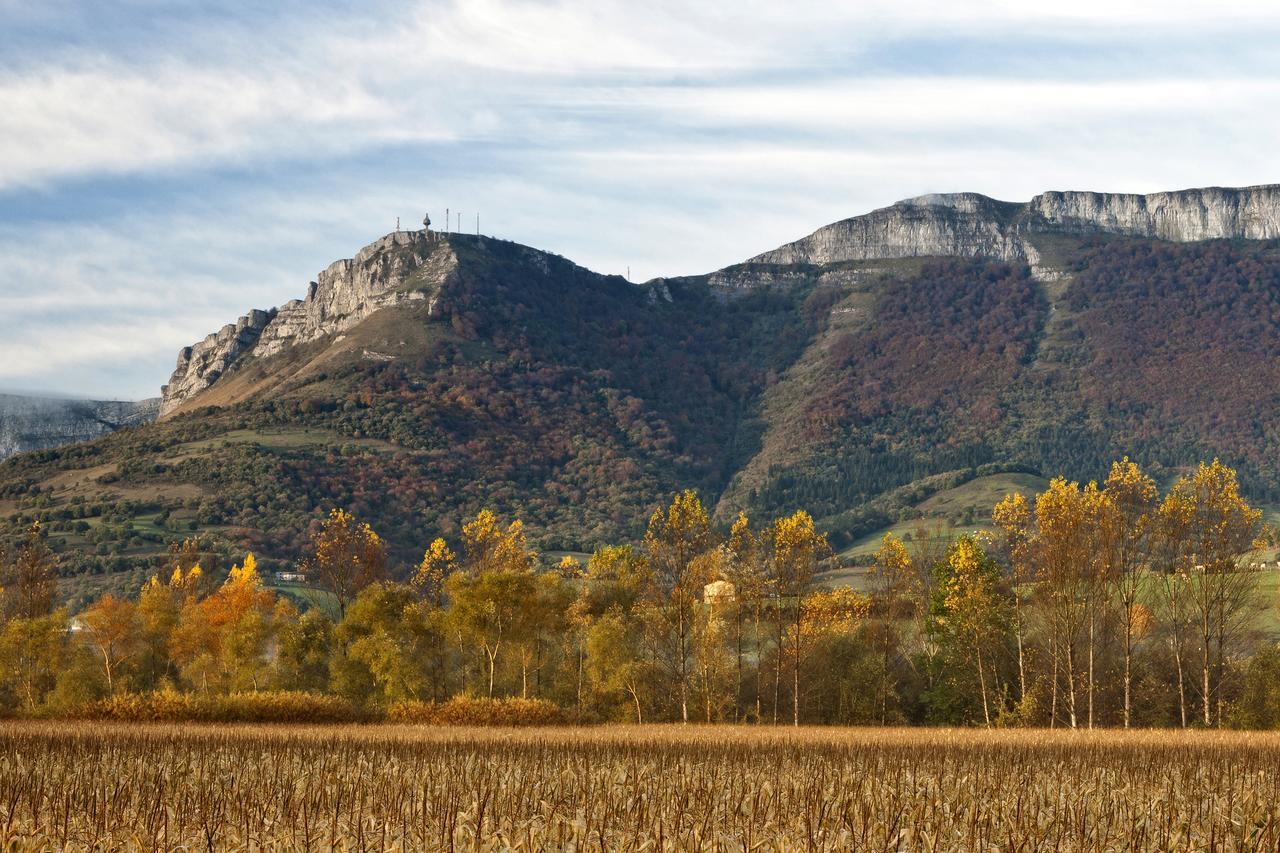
(471, 711)
(268, 707)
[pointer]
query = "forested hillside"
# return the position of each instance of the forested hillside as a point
(578, 402)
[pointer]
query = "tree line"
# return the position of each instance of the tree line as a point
(1101, 604)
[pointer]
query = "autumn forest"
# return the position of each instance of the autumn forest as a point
(1104, 604)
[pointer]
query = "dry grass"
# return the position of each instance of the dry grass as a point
(112, 786)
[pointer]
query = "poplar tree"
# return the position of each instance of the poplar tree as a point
(673, 540)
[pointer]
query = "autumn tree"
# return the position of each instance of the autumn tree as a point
(616, 662)
(672, 541)
(841, 661)
(1065, 554)
(32, 651)
(222, 641)
(796, 550)
(438, 562)
(112, 628)
(346, 556)
(709, 636)
(160, 606)
(1126, 530)
(29, 578)
(970, 611)
(487, 610)
(743, 568)
(1216, 528)
(541, 616)
(1013, 517)
(489, 547)
(490, 594)
(305, 647)
(615, 579)
(894, 580)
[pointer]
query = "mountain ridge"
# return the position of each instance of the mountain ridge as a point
(974, 225)
(410, 265)
(428, 377)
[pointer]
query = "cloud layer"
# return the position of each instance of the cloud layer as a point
(166, 166)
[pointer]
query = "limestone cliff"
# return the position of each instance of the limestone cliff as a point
(38, 423)
(398, 268)
(972, 225)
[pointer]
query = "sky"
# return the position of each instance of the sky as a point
(166, 165)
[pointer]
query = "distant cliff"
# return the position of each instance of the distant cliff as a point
(393, 270)
(38, 423)
(972, 225)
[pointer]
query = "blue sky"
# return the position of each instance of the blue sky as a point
(165, 166)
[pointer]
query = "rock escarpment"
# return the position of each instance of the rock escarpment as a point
(972, 225)
(398, 268)
(39, 423)
(1251, 213)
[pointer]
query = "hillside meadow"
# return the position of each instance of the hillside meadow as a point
(74, 787)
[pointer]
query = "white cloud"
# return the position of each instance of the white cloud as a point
(668, 136)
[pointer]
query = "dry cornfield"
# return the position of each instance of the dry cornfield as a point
(80, 786)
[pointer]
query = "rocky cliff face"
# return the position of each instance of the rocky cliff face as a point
(1252, 213)
(38, 423)
(971, 225)
(398, 268)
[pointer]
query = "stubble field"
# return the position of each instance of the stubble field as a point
(81, 786)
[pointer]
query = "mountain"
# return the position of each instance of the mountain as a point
(35, 423)
(853, 372)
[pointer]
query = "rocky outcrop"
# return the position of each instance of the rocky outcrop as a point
(957, 224)
(1251, 213)
(200, 364)
(972, 225)
(402, 267)
(39, 423)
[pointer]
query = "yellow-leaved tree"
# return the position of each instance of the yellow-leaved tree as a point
(1126, 531)
(1210, 528)
(437, 564)
(673, 541)
(346, 556)
(1012, 516)
(970, 609)
(796, 550)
